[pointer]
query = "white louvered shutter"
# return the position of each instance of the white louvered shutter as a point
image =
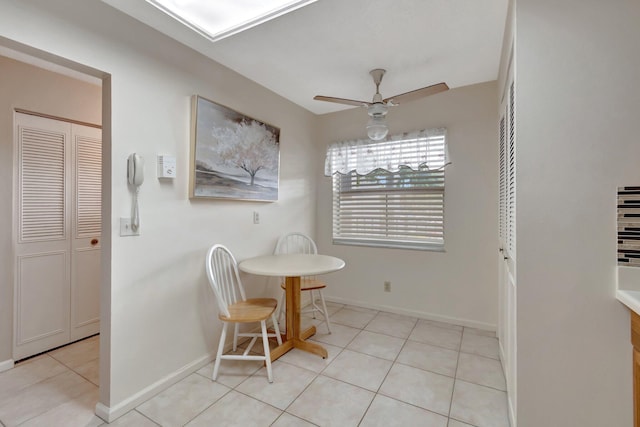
(88, 186)
(42, 180)
(503, 181)
(511, 212)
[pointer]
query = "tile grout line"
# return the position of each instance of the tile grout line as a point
(316, 375)
(143, 415)
(212, 403)
(394, 362)
(455, 378)
(291, 415)
(377, 391)
(342, 349)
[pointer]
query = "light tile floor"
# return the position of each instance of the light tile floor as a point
(383, 369)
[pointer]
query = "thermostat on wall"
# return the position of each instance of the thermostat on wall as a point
(166, 167)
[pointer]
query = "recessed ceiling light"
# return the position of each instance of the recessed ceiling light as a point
(218, 19)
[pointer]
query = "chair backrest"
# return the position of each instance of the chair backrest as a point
(295, 243)
(222, 271)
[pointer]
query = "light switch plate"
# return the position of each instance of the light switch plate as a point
(125, 228)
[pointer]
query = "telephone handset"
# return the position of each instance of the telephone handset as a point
(135, 175)
(135, 171)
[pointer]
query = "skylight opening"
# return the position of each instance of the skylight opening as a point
(218, 19)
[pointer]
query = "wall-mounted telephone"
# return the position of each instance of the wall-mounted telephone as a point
(135, 171)
(135, 175)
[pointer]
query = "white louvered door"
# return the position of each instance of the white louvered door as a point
(56, 274)
(86, 223)
(507, 230)
(42, 270)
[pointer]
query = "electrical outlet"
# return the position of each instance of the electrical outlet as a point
(387, 286)
(256, 217)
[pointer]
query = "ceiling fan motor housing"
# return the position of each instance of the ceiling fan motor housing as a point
(377, 109)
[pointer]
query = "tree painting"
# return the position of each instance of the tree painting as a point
(247, 145)
(234, 156)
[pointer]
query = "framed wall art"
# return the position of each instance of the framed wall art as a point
(233, 156)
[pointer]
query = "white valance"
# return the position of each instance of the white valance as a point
(425, 148)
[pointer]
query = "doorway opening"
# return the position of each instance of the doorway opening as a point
(21, 96)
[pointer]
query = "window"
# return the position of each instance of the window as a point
(402, 207)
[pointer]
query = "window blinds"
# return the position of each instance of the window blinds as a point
(402, 208)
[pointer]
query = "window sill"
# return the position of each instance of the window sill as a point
(391, 245)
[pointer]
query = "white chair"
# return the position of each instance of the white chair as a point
(299, 243)
(234, 307)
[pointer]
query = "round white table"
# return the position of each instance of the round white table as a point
(293, 266)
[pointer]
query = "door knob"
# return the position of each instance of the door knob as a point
(94, 242)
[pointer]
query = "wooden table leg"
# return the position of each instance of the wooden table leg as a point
(311, 347)
(292, 285)
(308, 333)
(295, 336)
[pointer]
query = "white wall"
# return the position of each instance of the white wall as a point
(459, 285)
(160, 314)
(578, 108)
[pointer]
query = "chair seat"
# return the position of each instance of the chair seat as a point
(251, 310)
(308, 284)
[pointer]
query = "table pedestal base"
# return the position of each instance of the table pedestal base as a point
(287, 346)
(295, 337)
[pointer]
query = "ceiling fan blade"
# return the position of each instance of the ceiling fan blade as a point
(341, 101)
(416, 94)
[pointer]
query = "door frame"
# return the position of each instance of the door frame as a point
(53, 62)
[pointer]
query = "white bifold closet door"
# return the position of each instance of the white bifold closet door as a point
(507, 325)
(57, 233)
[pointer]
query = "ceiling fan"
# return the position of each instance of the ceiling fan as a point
(377, 109)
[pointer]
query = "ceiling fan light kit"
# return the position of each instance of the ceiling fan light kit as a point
(377, 128)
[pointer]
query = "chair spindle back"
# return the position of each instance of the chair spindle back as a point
(222, 271)
(296, 243)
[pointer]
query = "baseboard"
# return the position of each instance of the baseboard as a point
(110, 413)
(6, 365)
(414, 313)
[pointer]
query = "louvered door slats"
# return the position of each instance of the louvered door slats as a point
(511, 220)
(88, 187)
(42, 179)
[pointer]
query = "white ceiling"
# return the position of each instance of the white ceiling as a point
(329, 47)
